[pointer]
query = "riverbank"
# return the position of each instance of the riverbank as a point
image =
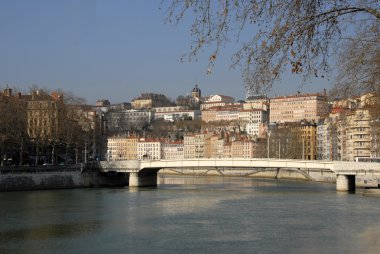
(56, 177)
(66, 177)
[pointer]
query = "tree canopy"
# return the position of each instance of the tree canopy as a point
(296, 35)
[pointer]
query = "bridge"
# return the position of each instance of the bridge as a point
(144, 172)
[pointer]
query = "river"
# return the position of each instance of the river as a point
(186, 214)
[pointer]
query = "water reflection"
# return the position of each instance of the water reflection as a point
(191, 215)
(45, 232)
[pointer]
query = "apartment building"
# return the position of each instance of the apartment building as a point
(149, 149)
(242, 148)
(124, 120)
(194, 145)
(131, 148)
(327, 139)
(117, 148)
(295, 108)
(173, 150)
(46, 116)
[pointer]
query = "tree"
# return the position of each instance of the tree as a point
(282, 33)
(359, 63)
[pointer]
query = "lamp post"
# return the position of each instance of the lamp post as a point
(303, 148)
(268, 144)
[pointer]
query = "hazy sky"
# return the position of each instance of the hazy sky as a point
(112, 49)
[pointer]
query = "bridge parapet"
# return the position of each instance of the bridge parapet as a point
(120, 166)
(356, 168)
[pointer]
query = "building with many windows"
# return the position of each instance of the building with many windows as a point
(149, 149)
(295, 108)
(172, 150)
(117, 148)
(122, 121)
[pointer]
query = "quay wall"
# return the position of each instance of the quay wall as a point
(39, 179)
(56, 177)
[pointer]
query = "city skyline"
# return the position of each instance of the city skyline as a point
(115, 50)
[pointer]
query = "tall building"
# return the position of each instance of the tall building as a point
(327, 142)
(46, 116)
(358, 135)
(295, 108)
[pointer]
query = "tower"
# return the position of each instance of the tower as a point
(196, 92)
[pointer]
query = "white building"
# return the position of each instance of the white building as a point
(253, 120)
(149, 149)
(172, 116)
(173, 150)
(217, 101)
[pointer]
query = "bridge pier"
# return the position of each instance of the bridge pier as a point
(345, 182)
(141, 179)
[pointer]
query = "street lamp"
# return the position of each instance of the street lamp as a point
(268, 144)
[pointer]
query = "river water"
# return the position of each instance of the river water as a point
(192, 215)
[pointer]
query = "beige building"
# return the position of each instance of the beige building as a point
(117, 148)
(195, 145)
(46, 116)
(131, 146)
(209, 115)
(242, 148)
(227, 150)
(211, 146)
(256, 102)
(150, 100)
(298, 107)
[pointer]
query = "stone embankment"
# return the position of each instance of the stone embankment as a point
(40, 178)
(56, 177)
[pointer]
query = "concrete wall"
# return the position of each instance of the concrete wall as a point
(96, 179)
(57, 177)
(40, 180)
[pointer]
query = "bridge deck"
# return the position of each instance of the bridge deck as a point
(338, 167)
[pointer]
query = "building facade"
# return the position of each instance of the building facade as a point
(295, 108)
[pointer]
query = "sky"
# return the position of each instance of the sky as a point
(113, 50)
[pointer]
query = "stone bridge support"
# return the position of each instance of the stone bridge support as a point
(143, 178)
(345, 182)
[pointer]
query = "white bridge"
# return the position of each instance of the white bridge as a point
(144, 173)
